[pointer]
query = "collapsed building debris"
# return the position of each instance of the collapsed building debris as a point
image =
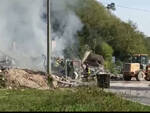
(116, 77)
(13, 77)
(94, 62)
(93, 59)
(6, 62)
(64, 82)
(96, 65)
(19, 78)
(75, 70)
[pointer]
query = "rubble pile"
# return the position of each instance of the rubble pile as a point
(117, 77)
(69, 73)
(19, 78)
(59, 82)
(24, 78)
(76, 72)
(92, 59)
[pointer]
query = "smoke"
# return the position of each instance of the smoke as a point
(65, 24)
(23, 29)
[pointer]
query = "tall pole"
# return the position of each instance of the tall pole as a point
(49, 43)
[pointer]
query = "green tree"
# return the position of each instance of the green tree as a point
(105, 50)
(100, 25)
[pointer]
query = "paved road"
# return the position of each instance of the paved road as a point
(134, 90)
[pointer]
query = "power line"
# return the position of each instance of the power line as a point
(137, 9)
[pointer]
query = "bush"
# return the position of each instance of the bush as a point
(109, 66)
(106, 51)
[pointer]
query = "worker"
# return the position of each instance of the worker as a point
(70, 69)
(87, 69)
(62, 63)
(56, 64)
(62, 66)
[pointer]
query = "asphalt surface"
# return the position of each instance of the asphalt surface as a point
(138, 91)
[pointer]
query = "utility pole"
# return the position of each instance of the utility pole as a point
(49, 41)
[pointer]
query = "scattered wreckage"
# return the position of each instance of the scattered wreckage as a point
(66, 73)
(12, 77)
(76, 72)
(6, 62)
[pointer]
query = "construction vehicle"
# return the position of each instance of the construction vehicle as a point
(137, 67)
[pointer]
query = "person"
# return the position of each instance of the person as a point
(62, 63)
(62, 66)
(57, 62)
(87, 69)
(70, 69)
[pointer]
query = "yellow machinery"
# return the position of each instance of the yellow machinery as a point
(137, 67)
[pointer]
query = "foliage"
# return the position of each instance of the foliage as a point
(106, 51)
(147, 43)
(69, 100)
(109, 66)
(105, 34)
(100, 25)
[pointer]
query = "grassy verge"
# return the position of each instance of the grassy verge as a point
(79, 99)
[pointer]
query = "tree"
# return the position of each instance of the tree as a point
(100, 25)
(106, 51)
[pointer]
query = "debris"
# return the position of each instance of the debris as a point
(64, 82)
(93, 59)
(117, 77)
(19, 78)
(92, 65)
(55, 84)
(25, 78)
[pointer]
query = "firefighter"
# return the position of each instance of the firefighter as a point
(87, 69)
(70, 69)
(56, 63)
(62, 63)
(62, 66)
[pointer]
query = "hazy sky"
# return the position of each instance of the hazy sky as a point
(136, 10)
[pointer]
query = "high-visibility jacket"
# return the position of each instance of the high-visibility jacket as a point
(89, 71)
(57, 63)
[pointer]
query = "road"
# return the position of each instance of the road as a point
(138, 91)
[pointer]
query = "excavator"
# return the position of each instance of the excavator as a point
(137, 67)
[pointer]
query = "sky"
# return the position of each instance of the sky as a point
(137, 11)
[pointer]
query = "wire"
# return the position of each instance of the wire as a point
(137, 9)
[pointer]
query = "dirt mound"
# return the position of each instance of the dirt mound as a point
(18, 78)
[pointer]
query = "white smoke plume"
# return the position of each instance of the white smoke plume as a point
(23, 29)
(66, 24)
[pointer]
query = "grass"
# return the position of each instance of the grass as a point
(79, 99)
